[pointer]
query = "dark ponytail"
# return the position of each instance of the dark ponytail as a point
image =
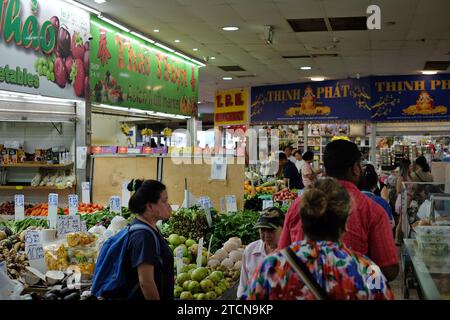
(422, 162)
(370, 178)
(148, 191)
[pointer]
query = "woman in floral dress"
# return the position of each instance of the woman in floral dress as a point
(338, 271)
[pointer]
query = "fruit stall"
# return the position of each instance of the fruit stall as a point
(213, 276)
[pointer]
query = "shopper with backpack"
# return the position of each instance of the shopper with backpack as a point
(137, 263)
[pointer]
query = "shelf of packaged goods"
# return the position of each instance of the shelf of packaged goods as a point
(32, 188)
(36, 165)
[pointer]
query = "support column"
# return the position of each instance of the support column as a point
(373, 145)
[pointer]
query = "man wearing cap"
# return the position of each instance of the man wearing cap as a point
(269, 224)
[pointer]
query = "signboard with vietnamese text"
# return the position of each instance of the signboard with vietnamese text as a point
(231, 107)
(44, 48)
(129, 72)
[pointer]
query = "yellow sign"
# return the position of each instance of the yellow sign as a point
(231, 107)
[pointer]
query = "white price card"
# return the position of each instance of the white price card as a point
(208, 214)
(35, 250)
(68, 224)
(73, 204)
(231, 204)
(267, 204)
(19, 207)
(300, 193)
(179, 260)
(86, 192)
(203, 201)
(125, 193)
(222, 204)
(218, 168)
(52, 209)
(115, 205)
(200, 253)
(83, 226)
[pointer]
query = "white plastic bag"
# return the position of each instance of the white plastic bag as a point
(10, 289)
(117, 224)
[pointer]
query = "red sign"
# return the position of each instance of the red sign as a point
(122, 150)
(96, 150)
(147, 150)
(229, 116)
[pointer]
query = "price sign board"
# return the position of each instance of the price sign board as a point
(73, 204)
(230, 203)
(267, 204)
(52, 209)
(35, 250)
(115, 205)
(200, 252)
(19, 207)
(86, 192)
(68, 224)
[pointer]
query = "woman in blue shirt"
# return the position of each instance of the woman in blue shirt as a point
(369, 185)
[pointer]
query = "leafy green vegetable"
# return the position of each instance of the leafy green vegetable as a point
(239, 224)
(19, 226)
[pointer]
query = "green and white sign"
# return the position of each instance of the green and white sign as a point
(44, 48)
(129, 72)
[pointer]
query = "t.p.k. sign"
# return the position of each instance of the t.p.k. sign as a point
(231, 107)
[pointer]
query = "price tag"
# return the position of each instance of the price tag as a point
(73, 204)
(209, 247)
(208, 215)
(222, 204)
(52, 209)
(83, 226)
(19, 207)
(300, 193)
(68, 224)
(202, 201)
(125, 193)
(267, 204)
(35, 250)
(200, 252)
(285, 202)
(114, 205)
(85, 192)
(231, 205)
(179, 259)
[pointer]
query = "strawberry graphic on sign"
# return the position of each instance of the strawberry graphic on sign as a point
(103, 53)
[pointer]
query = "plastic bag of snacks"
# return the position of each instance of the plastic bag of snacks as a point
(56, 257)
(80, 239)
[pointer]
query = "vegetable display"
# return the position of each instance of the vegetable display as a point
(284, 194)
(7, 208)
(20, 226)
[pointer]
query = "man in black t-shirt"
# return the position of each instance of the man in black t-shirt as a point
(290, 173)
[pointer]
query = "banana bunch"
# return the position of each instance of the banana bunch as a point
(125, 129)
(167, 132)
(146, 132)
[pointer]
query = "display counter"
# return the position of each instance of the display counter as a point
(432, 274)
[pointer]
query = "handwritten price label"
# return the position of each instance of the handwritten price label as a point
(68, 224)
(115, 205)
(19, 207)
(73, 204)
(86, 192)
(231, 203)
(32, 237)
(200, 253)
(52, 209)
(267, 204)
(35, 250)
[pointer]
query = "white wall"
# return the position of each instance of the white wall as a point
(106, 130)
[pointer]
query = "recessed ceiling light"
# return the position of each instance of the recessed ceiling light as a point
(230, 28)
(198, 102)
(155, 30)
(429, 72)
(195, 49)
(177, 41)
(213, 58)
(317, 79)
(305, 68)
(99, 1)
(227, 78)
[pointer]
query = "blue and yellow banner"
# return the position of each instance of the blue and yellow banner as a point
(377, 99)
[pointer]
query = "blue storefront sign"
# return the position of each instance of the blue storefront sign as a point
(393, 98)
(410, 98)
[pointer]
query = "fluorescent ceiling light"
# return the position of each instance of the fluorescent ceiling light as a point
(317, 78)
(142, 37)
(195, 49)
(429, 72)
(305, 68)
(145, 112)
(177, 41)
(230, 28)
(164, 47)
(213, 58)
(99, 1)
(227, 78)
(118, 25)
(82, 6)
(155, 30)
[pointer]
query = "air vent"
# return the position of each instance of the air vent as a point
(246, 76)
(231, 68)
(437, 65)
(297, 57)
(307, 25)
(325, 55)
(348, 23)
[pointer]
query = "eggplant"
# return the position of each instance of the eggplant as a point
(50, 296)
(72, 296)
(66, 291)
